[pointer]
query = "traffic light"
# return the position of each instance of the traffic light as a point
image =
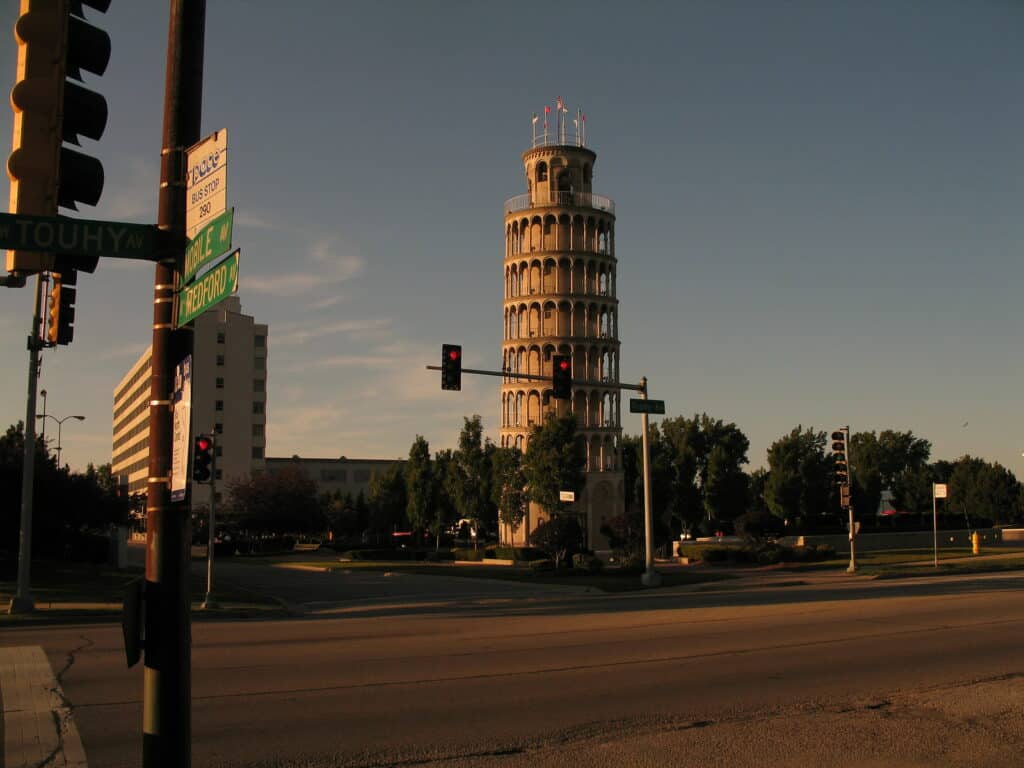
(60, 319)
(561, 376)
(202, 459)
(55, 43)
(841, 458)
(451, 366)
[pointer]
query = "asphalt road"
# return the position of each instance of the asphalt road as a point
(446, 672)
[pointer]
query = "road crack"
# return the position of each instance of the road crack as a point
(63, 714)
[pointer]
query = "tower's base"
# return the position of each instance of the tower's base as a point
(602, 498)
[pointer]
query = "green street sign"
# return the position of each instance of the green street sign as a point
(57, 234)
(212, 288)
(209, 244)
(636, 405)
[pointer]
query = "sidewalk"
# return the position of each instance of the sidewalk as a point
(38, 726)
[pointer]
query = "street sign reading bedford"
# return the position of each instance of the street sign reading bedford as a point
(206, 181)
(209, 244)
(636, 405)
(213, 287)
(56, 234)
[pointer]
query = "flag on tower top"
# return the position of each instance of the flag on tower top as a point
(560, 104)
(547, 109)
(534, 118)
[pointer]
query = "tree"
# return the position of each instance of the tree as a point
(891, 460)
(67, 505)
(555, 461)
(707, 455)
(387, 500)
(419, 486)
(470, 485)
(560, 537)
(799, 476)
(508, 487)
(277, 502)
(978, 489)
(444, 506)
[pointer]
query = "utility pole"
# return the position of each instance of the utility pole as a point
(167, 684)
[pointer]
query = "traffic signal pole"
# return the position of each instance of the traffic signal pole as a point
(167, 684)
(650, 577)
(22, 601)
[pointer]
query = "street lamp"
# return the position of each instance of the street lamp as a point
(60, 422)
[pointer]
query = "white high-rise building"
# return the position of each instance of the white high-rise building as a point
(229, 400)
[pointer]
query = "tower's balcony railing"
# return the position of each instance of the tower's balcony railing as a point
(543, 198)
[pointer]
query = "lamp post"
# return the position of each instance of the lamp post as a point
(44, 416)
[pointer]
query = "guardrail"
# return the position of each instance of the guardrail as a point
(542, 198)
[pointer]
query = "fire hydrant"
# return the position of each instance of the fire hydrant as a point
(975, 543)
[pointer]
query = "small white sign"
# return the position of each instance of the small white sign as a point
(940, 490)
(206, 181)
(182, 423)
(567, 496)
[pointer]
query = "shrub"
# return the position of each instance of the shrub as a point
(542, 565)
(759, 525)
(474, 555)
(438, 555)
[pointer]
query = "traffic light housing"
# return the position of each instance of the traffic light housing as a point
(202, 459)
(55, 43)
(60, 318)
(451, 366)
(841, 458)
(561, 376)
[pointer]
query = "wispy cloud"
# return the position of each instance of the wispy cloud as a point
(132, 351)
(302, 334)
(328, 269)
(134, 198)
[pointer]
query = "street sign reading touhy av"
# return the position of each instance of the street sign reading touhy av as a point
(206, 181)
(212, 288)
(636, 405)
(58, 234)
(209, 244)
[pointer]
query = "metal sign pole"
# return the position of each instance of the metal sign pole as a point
(935, 527)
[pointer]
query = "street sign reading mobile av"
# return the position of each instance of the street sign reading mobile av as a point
(209, 244)
(206, 181)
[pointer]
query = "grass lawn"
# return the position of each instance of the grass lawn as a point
(610, 580)
(893, 563)
(87, 584)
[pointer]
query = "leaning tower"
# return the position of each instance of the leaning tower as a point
(560, 298)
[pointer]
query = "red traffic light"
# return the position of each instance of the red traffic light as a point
(563, 364)
(203, 443)
(454, 354)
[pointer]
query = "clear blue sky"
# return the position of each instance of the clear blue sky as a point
(819, 209)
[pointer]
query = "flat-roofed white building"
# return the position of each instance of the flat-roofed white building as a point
(229, 400)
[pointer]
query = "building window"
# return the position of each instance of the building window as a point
(220, 382)
(259, 363)
(220, 359)
(217, 497)
(218, 429)
(257, 430)
(361, 476)
(220, 337)
(258, 408)
(217, 450)
(219, 405)
(219, 475)
(259, 385)
(259, 341)
(257, 452)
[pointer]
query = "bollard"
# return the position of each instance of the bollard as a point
(975, 543)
